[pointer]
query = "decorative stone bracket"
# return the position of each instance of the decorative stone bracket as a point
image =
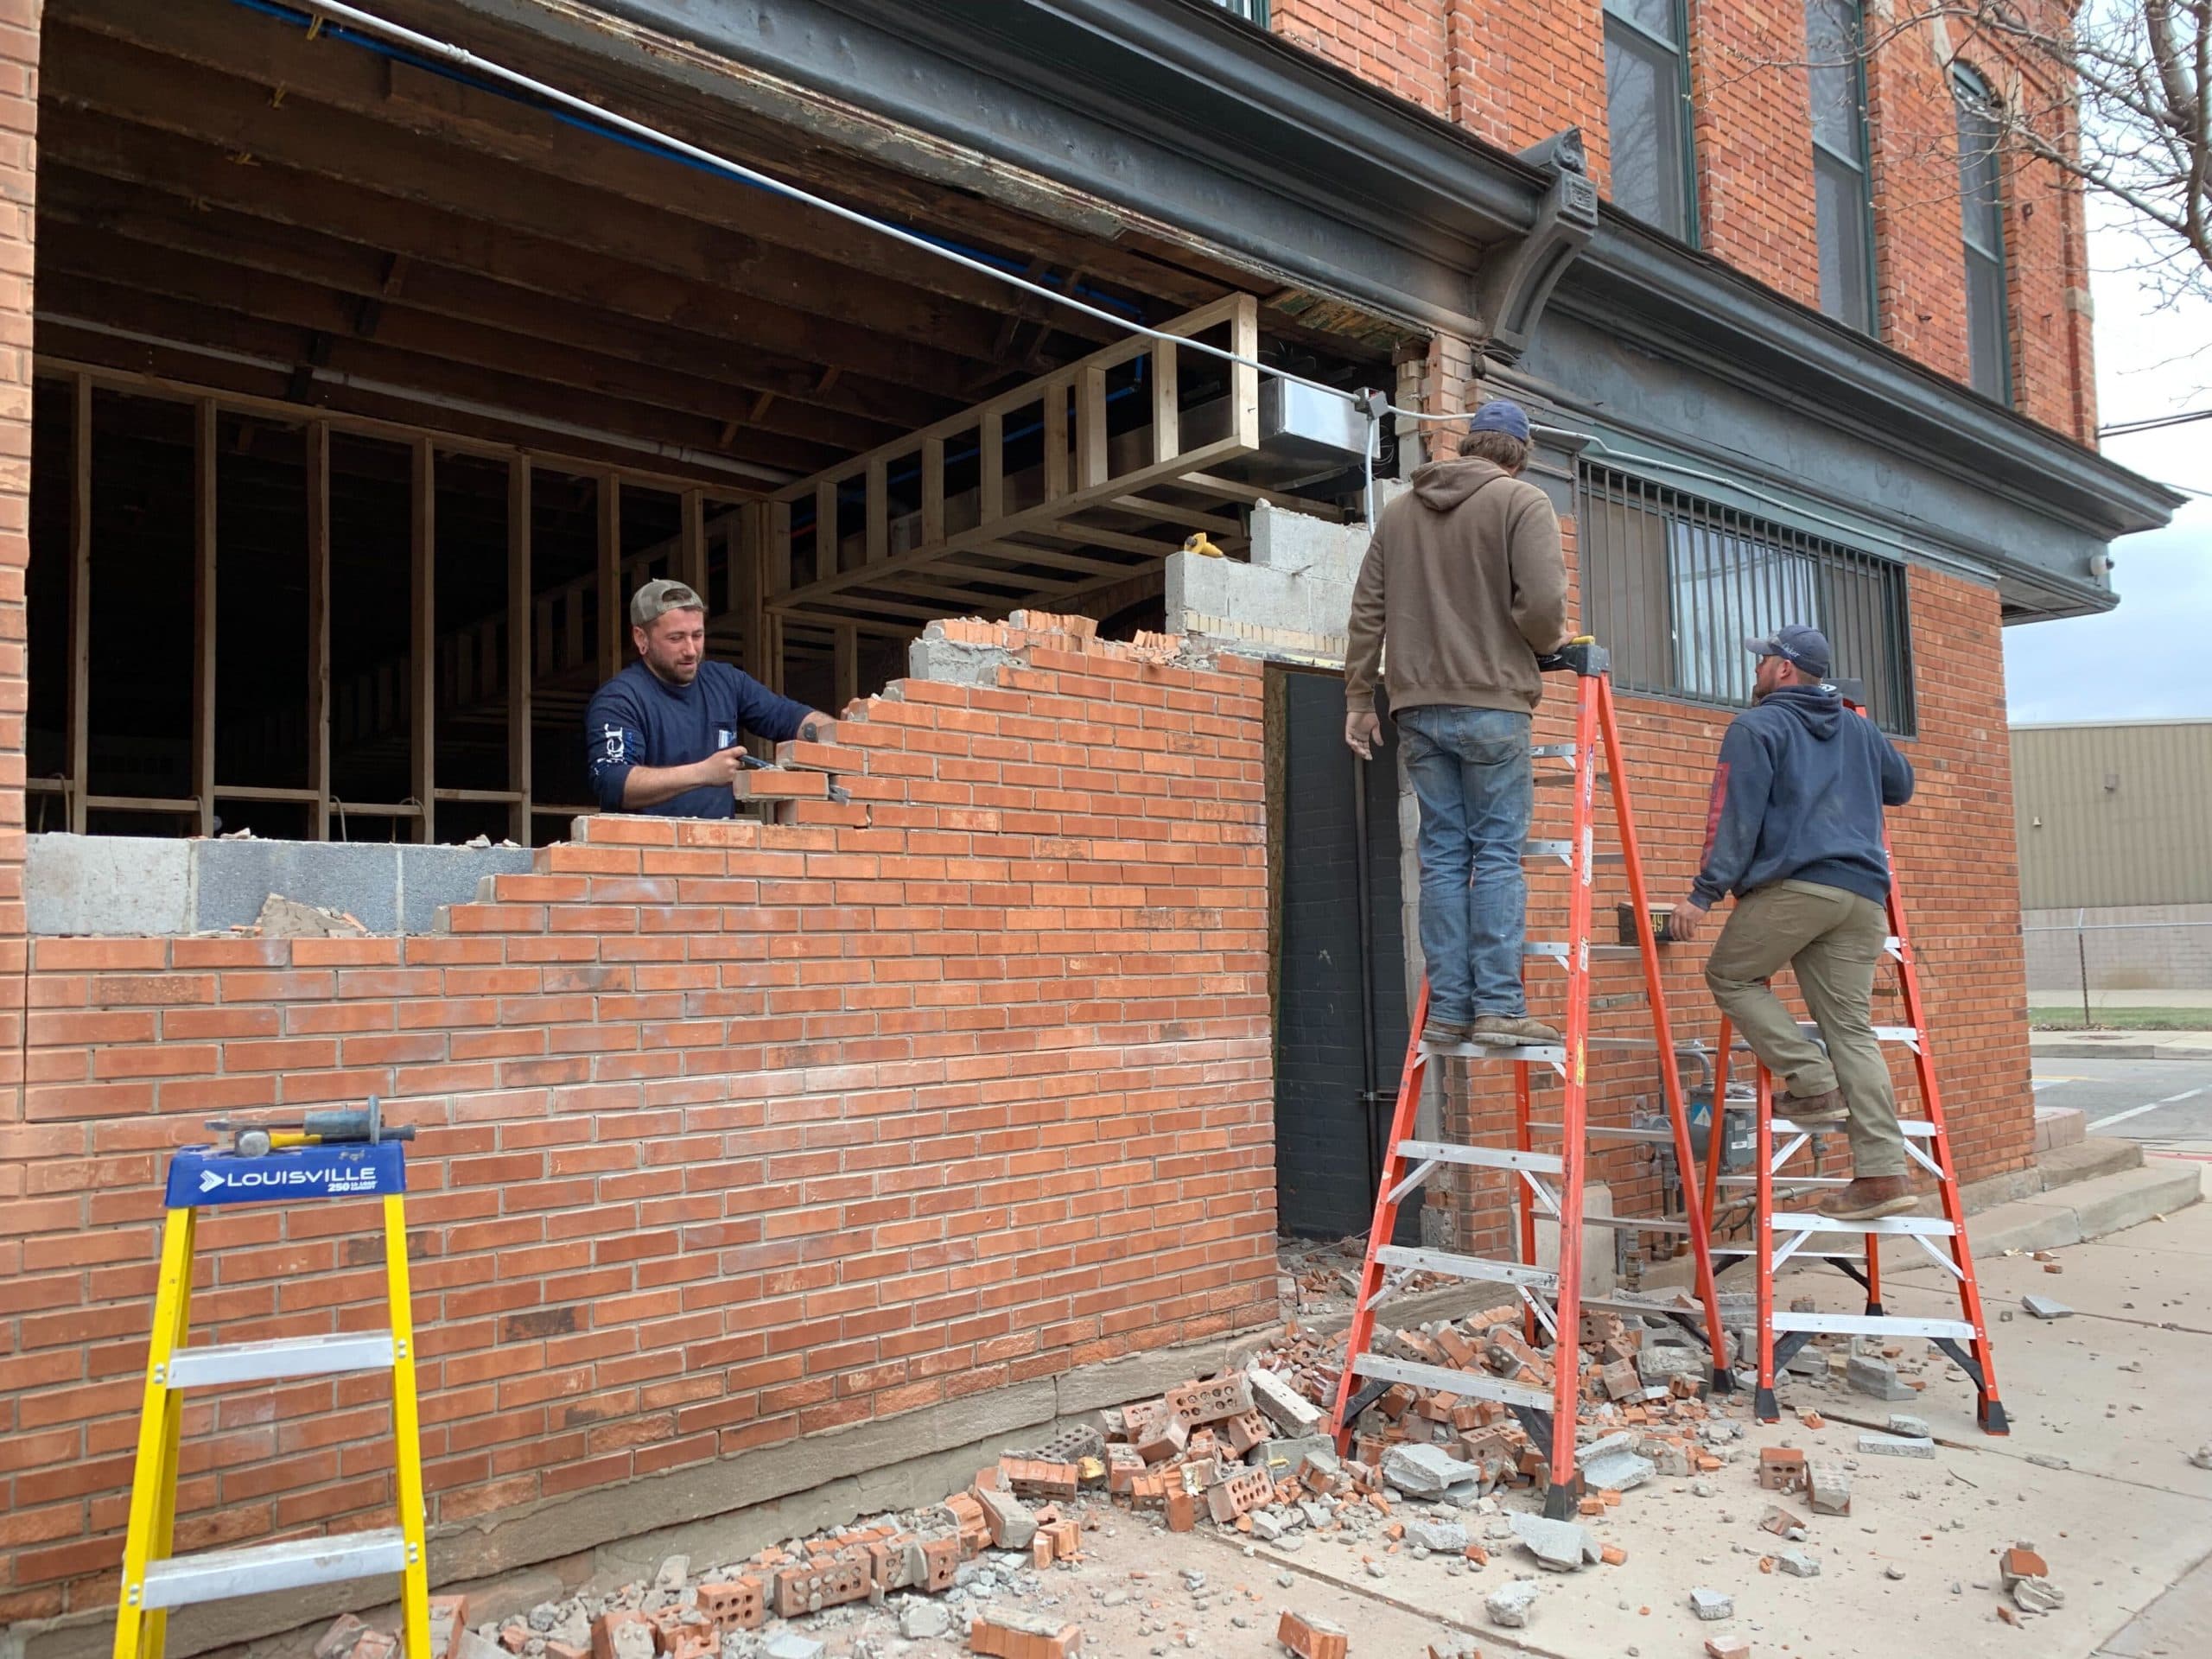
(1518, 278)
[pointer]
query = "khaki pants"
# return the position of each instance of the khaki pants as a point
(1834, 940)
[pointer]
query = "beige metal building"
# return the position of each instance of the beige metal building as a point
(2114, 824)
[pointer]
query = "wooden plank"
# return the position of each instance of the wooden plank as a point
(521, 675)
(828, 555)
(1166, 401)
(203, 612)
(1056, 439)
(612, 601)
(932, 489)
(317, 443)
(422, 636)
(1090, 459)
(748, 571)
(845, 676)
(776, 564)
(691, 561)
(878, 485)
(1243, 378)
(80, 600)
(991, 458)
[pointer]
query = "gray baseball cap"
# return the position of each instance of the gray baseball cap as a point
(1806, 647)
(657, 598)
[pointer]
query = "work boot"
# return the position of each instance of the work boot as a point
(1815, 1111)
(1869, 1198)
(1514, 1031)
(1444, 1034)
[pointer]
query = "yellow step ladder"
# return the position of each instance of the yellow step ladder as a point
(343, 1153)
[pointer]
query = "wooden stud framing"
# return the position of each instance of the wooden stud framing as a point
(318, 447)
(932, 489)
(1056, 439)
(1166, 407)
(878, 510)
(1090, 462)
(845, 676)
(828, 553)
(613, 603)
(423, 637)
(519, 638)
(991, 456)
(80, 600)
(203, 612)
(691, 552)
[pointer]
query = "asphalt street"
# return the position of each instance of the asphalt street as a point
(2167, 1104)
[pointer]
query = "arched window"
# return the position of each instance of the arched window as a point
(1843, 182)
(1981, 223)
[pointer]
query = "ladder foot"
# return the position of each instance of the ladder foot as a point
(1874, 1310)
(1724, 1380)
(1563, 1499)
(1993, 1418)
(1763, 1407)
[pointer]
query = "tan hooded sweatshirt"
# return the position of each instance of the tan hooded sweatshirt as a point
(1465, 579)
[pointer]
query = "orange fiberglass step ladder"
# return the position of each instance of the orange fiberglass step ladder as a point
(1927, 1144)
(1553, 1181)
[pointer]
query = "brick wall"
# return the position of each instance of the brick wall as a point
(1513, 75)
(18, 193)
(1953, 847)
(731, 1132)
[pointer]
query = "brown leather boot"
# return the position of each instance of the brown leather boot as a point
(1869, 1198)
(1819, 1111)
(1514, 1031)
(1444, 1034)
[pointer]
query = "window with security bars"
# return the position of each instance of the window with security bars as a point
(1673, 586)
(1251, 11)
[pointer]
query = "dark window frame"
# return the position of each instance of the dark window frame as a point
(1678, 49)
(1252, 11)
(1648, 552)
(1973, 101)
(1858, 166)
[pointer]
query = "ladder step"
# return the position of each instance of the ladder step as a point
(1872, 1324)
(1473, 1384)
(1615, 1131)
(1560, 950)
(1467, 1266)
(1516, 1053)
(1639, 1224)
(224, 1574)
(1787, 1181)
(218, 1363)
(1443, 1152)
(1930, 1226)
(1918, 1127)
(1564, 851)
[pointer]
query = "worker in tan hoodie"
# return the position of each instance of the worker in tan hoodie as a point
(1465, 583)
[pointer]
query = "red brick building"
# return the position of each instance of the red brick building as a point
(768, 1169)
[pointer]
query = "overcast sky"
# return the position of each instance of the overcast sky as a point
(2152, 656)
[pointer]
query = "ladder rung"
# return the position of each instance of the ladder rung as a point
(1559, 950)
(1913, 1125)
(1637, 1223)
(1932, 1226)
(1467, 1266)
(1551, 751)
(1542, 1163)
(223, 1574)
(1616, 1132)
(1473, 1383)
(1872, 1324)
(1787, 1181)
(1521, 1053)
(1565, 849)
(262, 1362)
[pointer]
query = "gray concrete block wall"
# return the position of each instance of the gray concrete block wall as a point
(1290, 603)
(140, 886)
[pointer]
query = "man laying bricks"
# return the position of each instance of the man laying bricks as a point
(1465, 583)
(662, 736)
(1795, 832)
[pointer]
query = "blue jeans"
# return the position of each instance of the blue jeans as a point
(1471, 772)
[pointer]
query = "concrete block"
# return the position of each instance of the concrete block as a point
(1797, 1564)
(955, 662)
(431, 876)
(1437, 1536)
(1292, 1411)
(1878, 1378)
(233, 879)
(2045, 1307)
(112, 885)
(1828, 1487)
(1425, 1471)
(1895, 1445)
(1711, 1605)
(1296, 542)
(1509, 1605)
(1598, 1276)
(1618, 1471)
(1558, 1546)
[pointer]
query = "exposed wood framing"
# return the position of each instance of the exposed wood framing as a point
(423, 635)
(318, 442)
(203, 612)
(612, 601)
(81, 597)
(520, 636)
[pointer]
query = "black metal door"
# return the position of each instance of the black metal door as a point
(1340, 986)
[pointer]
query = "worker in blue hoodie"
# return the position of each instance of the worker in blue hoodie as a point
(663, 736)
(1795, 832)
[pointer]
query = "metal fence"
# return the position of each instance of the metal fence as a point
(2099, 965)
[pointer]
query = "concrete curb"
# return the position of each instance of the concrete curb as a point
(2121, 1046)
(2078, 1213)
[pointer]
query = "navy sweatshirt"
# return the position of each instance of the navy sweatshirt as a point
(1798, 796)
(638, 719)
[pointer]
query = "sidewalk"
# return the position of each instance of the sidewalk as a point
(2120, 1045)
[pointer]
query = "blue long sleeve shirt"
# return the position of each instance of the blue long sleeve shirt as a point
(1798, 796)
(638, 719)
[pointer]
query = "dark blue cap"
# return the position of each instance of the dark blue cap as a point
(1501, 414)
(1806, 647)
